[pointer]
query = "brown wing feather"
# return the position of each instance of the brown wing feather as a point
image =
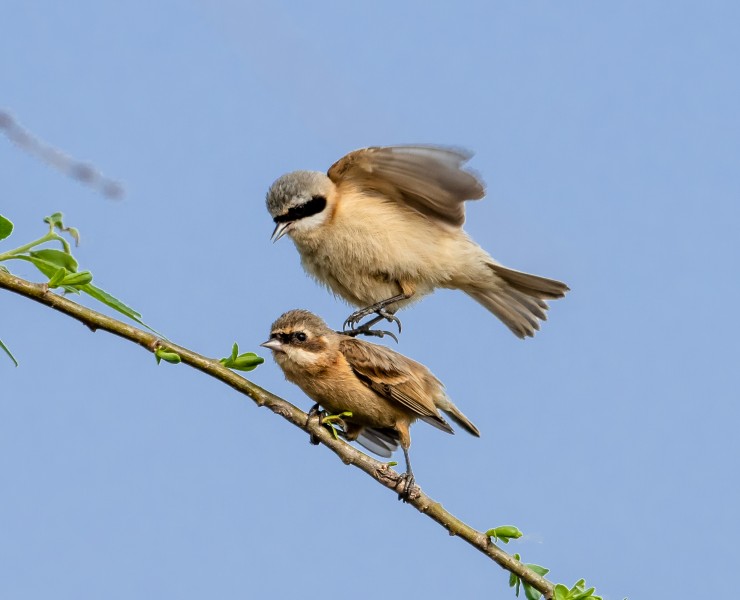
(428, 179)
(389, 374)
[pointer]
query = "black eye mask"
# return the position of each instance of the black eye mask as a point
(287, 338)
(314, 206)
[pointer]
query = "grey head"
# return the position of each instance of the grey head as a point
(296, 196)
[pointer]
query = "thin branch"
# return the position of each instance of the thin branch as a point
(348, 454)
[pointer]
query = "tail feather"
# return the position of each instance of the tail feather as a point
(514, 316)
(379, 441)
(536, 306)
(452, 411)
(518, 298)
(531, 285)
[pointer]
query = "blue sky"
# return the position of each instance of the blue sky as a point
(608, 136)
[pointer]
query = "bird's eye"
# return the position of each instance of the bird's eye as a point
(300, 336)
(273, 336)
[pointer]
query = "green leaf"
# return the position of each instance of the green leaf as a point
(247, 362)
(78, 279)
(8, 352)
(243, 362)
(6, 227)
(530, 592)
(504, 533)
(55, 220)
(561, 592)
(48, 269)
(518, 581)
(577, 592)
(167, 355)
(115, 304)
(75, 234)
(538, 569)
(108, 300)
(392, 463)
(52, 263)
(56, 279)
(49, 261)
(56, 257)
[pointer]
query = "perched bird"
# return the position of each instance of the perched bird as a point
(384, 390)
(384, 227)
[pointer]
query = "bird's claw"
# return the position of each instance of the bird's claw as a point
(390, 317)
(314, 411)
(369, 332)
(351, 324)
(408, 482)
(353, 320)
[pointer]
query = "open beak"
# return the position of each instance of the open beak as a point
(273, 345)
(280, 230)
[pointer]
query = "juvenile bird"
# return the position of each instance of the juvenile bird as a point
(384, 227)
(384, 390)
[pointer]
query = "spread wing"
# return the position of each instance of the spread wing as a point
(391, 375)
(428, 179)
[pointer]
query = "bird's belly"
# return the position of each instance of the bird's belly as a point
(365, 269)
(367, 408)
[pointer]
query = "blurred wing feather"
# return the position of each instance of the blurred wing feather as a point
(427, 179)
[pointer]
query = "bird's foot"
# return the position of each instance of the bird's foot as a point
(381, 312)
(354, 319)
(366, 330)
(315, 411)
(407, 486)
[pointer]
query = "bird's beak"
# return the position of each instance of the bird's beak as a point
(273, 345)
(280, 230)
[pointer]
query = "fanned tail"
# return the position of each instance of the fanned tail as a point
(518, 298)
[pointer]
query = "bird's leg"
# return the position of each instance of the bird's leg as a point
(313, 412)
(408, 478)
(379, 308)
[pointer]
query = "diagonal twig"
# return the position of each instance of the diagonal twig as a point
(348, 454)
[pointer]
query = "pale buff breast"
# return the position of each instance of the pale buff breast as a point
(371, 246)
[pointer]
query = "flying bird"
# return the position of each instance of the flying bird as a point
(383, 228)
(384, 390)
